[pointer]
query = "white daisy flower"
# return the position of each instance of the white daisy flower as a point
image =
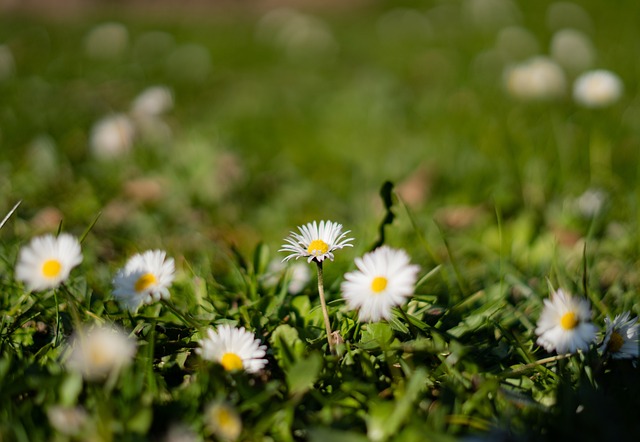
(597, 88)
(385, 278)
(112, 136)
(316, 241)
(622, 337)
(144, 279)
(537, 78)
(565, 324)
(234, 349)
(223, 420)
(47, 261)
(97, 353)
(69, 421)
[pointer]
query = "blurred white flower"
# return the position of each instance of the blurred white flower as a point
(591, 203)
(538, 78)
(145, 278)
(107, 41)
(112, 136)
(152, 102)
(298, 274)
(573, 50)
(147, 109)
(233, 348)
(316, 241)
(223, 420)
(297, 33)
(69, 421)
(180, 432)
(47, 261)
(565, 324)
(7, 62)
(598, 88)
(300, 277)
(385, 278)
(622, 337)
(99, 352)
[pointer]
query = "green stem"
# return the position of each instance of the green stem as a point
(537, 363)
(323, 303)
(56, 338)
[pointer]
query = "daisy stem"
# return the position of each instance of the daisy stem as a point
(56, 339)
(323, 303)
(537, 363)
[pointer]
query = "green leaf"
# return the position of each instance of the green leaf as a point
(302, 374)
(286, 345)
(376, 335)
(386, 418)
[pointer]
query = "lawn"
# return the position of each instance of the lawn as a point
(466, 135)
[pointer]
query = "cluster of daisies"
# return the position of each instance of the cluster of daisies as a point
(100, 352)
(565, 326)
(383, 280)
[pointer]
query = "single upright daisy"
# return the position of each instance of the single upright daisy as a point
(385, 278)
(145, 278)
(565, 324)
(97, 353)
(622, 337)
(234, 349)
(316, 241)
(47, 261)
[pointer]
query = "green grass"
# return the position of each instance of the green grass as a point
(270, 138)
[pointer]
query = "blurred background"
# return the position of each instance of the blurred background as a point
(192, 125)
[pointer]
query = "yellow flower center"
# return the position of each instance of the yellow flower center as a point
(615, 342)
(225, 418)
(231, 361)
(97, 357)
(51, 268)
(145, 281)
(378, 284)
(224, 422)
(317, 247)
(569, 321)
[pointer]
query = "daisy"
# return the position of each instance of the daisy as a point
(234, 349)
(145, 278)
(112, 136)
(564, 325)
(622, 338)
(97, 353)
(316, 241)
(385, 278)
(598, 88)
(223, 421)
(47, 261)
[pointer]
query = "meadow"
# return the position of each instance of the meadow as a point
(466, 134)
